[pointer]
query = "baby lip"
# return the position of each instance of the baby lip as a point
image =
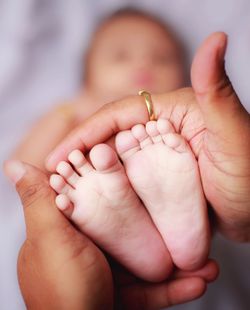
(143, 79)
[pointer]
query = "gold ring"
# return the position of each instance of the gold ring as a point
(149, 104)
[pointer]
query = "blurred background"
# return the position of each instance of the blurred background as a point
(42, 43)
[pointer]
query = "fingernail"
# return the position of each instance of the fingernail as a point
(14, 170)
(48, 161)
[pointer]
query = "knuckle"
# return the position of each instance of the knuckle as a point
(224, 88)
(33, 192)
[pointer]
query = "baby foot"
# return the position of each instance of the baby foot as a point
(164, 173)
(99, 199)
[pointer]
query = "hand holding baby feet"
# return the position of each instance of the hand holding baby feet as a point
(99, 199)
(164, 173)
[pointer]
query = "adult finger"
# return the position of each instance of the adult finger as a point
(122, 115)
(101, 126)
(225, 161)
(209, 272)
(223, 112)
(158, 296)
(38, 200)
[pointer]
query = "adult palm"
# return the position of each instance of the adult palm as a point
(60, 268)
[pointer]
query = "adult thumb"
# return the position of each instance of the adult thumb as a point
(38, 199)
(222, 110)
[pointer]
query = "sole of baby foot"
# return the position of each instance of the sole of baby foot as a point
(97, 196)
(164, 173)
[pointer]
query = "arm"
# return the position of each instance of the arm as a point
(46, 134)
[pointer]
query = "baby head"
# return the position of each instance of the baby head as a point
(132, 50)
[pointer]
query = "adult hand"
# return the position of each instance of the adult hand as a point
(210, 116)
(60, 268)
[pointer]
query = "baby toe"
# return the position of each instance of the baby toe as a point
(104, 158)
(64, 204)
(79, 162)
(164, 126)
(58, 183)
(140, 133)
(126, 144)
(153, 132)
(176, 142)
(65, 170)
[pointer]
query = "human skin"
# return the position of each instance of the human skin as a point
(60, 268)
(210, 116)
(136, 51)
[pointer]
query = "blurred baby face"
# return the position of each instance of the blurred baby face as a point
(131, 53)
